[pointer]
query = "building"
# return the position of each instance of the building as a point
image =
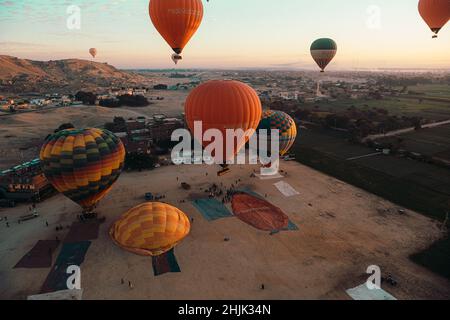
(141, 92)
(25, 182)
(161, 87)
(162, 130)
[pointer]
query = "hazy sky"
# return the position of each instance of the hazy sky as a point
(234, 33)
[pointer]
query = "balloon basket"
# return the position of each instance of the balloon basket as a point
(87, 216)
(176, 58)
(223, 172)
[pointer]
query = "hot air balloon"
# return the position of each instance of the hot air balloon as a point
(281, 121)
(176, 20)
(93, 52)
(150, 229)
(436, 13)
(222, 105)
(323, 51)
(83, 164)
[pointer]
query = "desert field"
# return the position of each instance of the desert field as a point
(22, 135)
(342, 231)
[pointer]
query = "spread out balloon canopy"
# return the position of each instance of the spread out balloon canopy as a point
(150, 229)
(323, 52)
(222, 105)
(83, 164)
(435, 13)
(177, 21)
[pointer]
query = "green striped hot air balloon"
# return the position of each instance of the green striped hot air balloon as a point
(281, 121)
(323, 51)
(83, 164)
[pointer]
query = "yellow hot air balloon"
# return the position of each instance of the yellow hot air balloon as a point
(150, 229)
(83, 164)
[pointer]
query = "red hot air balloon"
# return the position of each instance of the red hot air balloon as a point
(176, 20)
(436, 13)
(222, 105)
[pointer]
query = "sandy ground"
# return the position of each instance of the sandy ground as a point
(21, 135)
(343, 232)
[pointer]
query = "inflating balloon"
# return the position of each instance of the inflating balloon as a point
(222, 105)
(323, 51)
(150, 229)
(83, 164)
(436, 14)
(176, 20)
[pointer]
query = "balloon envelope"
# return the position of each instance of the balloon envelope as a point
(323, 51)
(176, 20)
(83, 164)
(281, 121)
(93, 52)
(150, 229)
(259, 213)
(436, 13)
(222, 105)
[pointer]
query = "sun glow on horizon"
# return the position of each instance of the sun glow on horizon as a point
(234, 34)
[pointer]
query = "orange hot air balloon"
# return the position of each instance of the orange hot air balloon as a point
(93, 52)
(222, 105)
(436, 13)
(176, 20)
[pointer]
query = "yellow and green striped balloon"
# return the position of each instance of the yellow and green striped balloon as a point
(83, 164)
